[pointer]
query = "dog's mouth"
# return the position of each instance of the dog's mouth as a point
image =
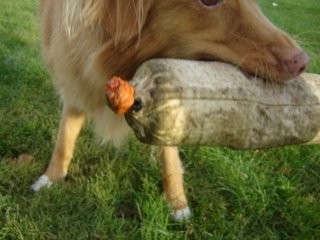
(206, 57)
(247, 73)
(209, 58)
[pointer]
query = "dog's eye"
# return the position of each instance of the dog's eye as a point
(210, 3)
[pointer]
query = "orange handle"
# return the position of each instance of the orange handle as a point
(119, 95)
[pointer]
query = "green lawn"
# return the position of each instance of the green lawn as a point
(273, 194)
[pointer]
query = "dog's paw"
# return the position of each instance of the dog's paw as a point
(43, 181)
(181, 215)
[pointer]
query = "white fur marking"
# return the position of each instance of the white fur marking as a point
(43, 181)
(181, 215)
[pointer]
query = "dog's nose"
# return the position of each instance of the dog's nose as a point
(297, 64)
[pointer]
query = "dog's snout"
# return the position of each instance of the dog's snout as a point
(297, 63)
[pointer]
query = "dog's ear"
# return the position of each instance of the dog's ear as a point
(121, 19)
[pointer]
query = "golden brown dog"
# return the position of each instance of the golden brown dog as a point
(86, 42)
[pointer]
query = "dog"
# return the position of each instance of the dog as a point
(86, 42)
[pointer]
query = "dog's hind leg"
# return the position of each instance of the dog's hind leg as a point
(172, 173)
(70, 126)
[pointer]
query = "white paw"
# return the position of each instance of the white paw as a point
(181, 215)
(43, 181)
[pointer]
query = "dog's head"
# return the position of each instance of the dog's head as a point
(232, 31)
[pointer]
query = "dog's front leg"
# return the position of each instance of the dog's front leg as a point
(70, 126)
(172, 173)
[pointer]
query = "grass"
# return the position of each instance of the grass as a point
(272, 194)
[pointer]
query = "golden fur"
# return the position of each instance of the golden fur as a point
(86, 42)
